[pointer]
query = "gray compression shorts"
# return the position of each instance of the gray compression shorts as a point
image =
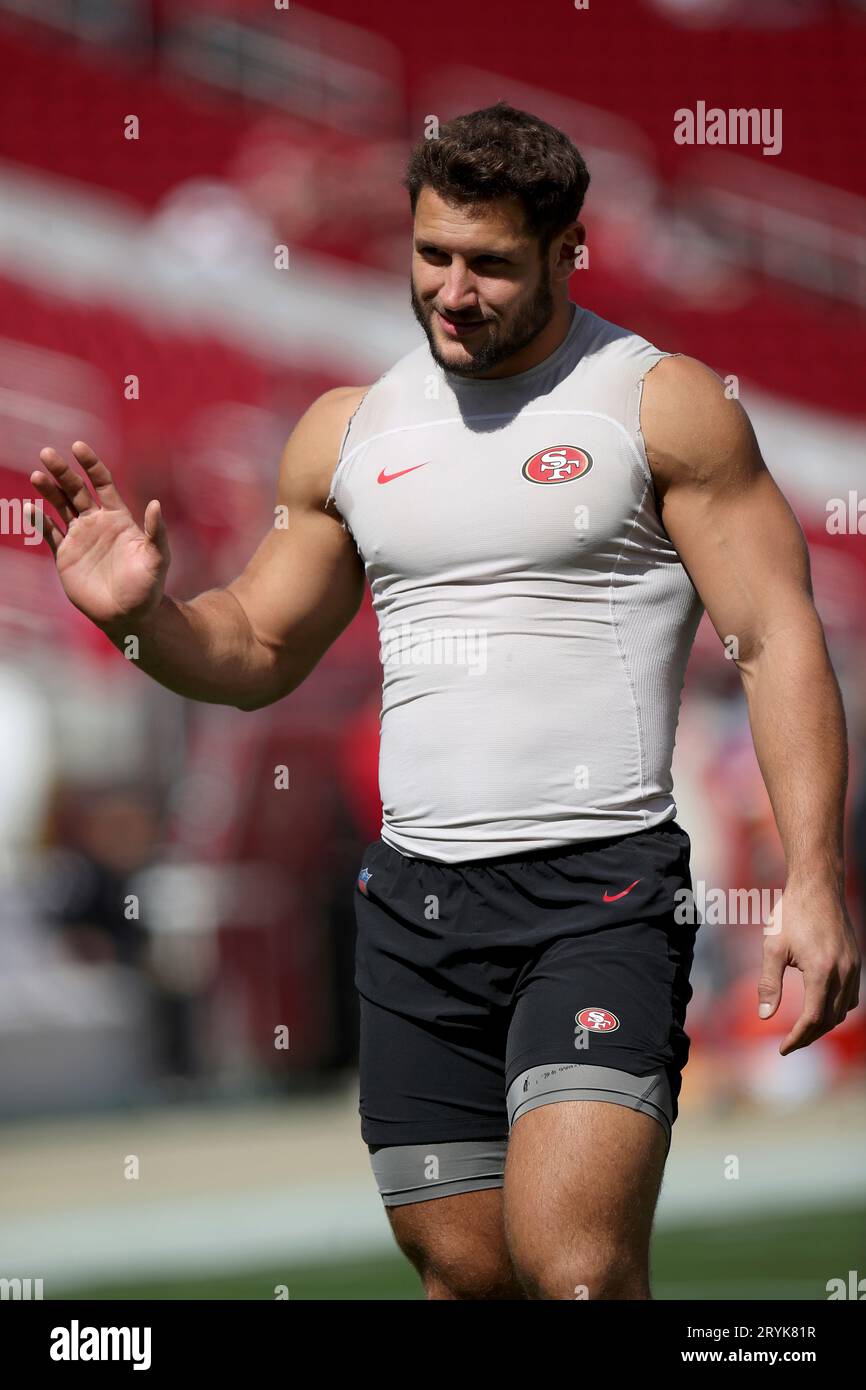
(418, 1172)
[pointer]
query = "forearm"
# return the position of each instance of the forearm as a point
(203, 649)
(798, 728)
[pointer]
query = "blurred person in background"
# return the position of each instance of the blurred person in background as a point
(103, 839)
(108, 836)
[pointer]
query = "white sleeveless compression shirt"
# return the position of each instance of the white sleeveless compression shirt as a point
(534, 617)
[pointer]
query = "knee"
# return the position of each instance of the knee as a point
(582, 1274)
(469, 1272)
(463, 1267)
(457, 1244)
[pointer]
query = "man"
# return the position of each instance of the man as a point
(542, 502)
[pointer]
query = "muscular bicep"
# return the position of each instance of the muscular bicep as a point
(305, 582)
(731, 525)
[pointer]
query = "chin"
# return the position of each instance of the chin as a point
(458, 351)
(460, 361)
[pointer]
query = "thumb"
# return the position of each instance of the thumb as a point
(770, 983)
(155, 528)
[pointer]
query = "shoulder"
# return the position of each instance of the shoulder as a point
(333, 409)
(312, 449)
(693, 428)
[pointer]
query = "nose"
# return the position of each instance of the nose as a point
(457, 293)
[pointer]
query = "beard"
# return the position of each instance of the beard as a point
(501, 341)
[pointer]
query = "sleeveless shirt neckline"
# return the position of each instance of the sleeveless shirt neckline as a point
(518, 378)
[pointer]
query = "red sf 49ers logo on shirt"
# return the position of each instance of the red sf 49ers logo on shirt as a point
(561, 463)
(597, 1020)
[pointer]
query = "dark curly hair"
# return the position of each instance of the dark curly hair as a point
(500, 152)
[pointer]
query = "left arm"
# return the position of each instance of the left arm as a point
(747, 557)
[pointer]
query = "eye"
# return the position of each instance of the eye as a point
(434, 253)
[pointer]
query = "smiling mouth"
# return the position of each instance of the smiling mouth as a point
(457, 326)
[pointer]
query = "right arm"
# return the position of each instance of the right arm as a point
(247, 644)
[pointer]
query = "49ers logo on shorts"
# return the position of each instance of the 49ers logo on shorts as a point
(597, 1020)
(561, 463)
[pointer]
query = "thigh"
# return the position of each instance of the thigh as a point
(432, 1105)
(595, 1051)
(581, 1185)
(434, 1118)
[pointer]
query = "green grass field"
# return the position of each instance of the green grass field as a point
(788, 1256)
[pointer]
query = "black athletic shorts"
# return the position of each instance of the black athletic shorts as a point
(490, 987)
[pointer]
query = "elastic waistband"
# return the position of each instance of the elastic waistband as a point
(547, 854)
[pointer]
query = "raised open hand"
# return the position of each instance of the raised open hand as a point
(109, 567)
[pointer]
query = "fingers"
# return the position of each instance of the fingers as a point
(815, 1018)
(75, 492)
(854, 998)
(45, 484)
(51, 534)
(851, 991)
(840, 997)
(831, 993)
(97, 475)
(770, 984)
(155, 528)
(47, 526)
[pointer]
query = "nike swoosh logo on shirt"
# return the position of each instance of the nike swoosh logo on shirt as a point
(389, 477)
(613, 897)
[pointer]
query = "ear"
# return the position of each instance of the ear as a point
(568, 241)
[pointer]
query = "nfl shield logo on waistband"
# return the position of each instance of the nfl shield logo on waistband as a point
(363, 878)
